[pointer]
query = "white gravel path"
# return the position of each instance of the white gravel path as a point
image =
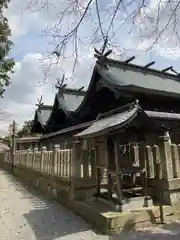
(26, 216)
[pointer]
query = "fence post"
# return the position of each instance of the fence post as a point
(34, 157)
(27, 157)
(43, 150)
(175, 160)
(156, 161)
(76, 167)
(76, 159)
(166, 158)
(55, 159)
(149, 162)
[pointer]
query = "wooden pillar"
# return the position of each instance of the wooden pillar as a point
(55, 159)
(98, 174)
(76, 167)
(76, 159)
(109, 177)
(28, 157)
(166, 158)
(34, 157)
(118, 175)
(43, 150)
(93, 155)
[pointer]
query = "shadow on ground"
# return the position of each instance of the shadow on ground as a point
(50, 221)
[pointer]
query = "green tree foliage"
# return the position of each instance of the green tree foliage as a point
(26, 129)
(6, 64)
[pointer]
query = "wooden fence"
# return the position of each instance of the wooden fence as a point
(81, 164)
(58, 162)
(148, 157)
(165, 157)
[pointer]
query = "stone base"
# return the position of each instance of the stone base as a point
(171, 192)
(131, 204)
(103, 218)
(165, 191)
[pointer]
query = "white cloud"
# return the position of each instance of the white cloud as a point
(27, 85)
(21, 96)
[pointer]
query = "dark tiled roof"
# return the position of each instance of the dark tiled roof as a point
(43, 114)
(28, 139)
(119, 120)
(69, 102)
(163, 115)
(130, 77)
(67, 130)
(109, 123)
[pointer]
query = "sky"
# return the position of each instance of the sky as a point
(31, 45)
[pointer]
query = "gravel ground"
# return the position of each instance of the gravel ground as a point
(26, 216)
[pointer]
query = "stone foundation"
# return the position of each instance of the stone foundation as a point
(106, 221)
(76, 195)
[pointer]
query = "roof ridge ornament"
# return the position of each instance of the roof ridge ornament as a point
(101, 55)
(136, 104)
(170, 68)
(40, 102)
(60, 85)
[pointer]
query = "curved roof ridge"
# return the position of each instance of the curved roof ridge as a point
(126, 107)
(145, 69)
(66, 101)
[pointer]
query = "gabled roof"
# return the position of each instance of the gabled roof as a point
(119, 79)
(69, 101)
(121, 117)
(131, 77)
(108, 123)
(41, 116)
(65, 103)
(124, 78)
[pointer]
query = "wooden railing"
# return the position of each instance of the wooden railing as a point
(58, 162)
(81, 164)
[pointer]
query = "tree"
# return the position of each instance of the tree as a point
(6, 64)
(26, 129)
(80, 23)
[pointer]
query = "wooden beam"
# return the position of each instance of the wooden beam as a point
(166, 69)
(149, 64)
(80, 89)
(129, 59)
(174, 71)
(118, 175)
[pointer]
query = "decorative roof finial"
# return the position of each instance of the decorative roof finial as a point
(60, 84)
(100, 55)
(136, 103)
(40, 103)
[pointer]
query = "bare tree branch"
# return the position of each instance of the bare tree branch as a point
(80, 24)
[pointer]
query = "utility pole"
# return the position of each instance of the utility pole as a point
(12, 135)
(13, 144)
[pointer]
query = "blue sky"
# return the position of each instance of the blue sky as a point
(31, 45)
